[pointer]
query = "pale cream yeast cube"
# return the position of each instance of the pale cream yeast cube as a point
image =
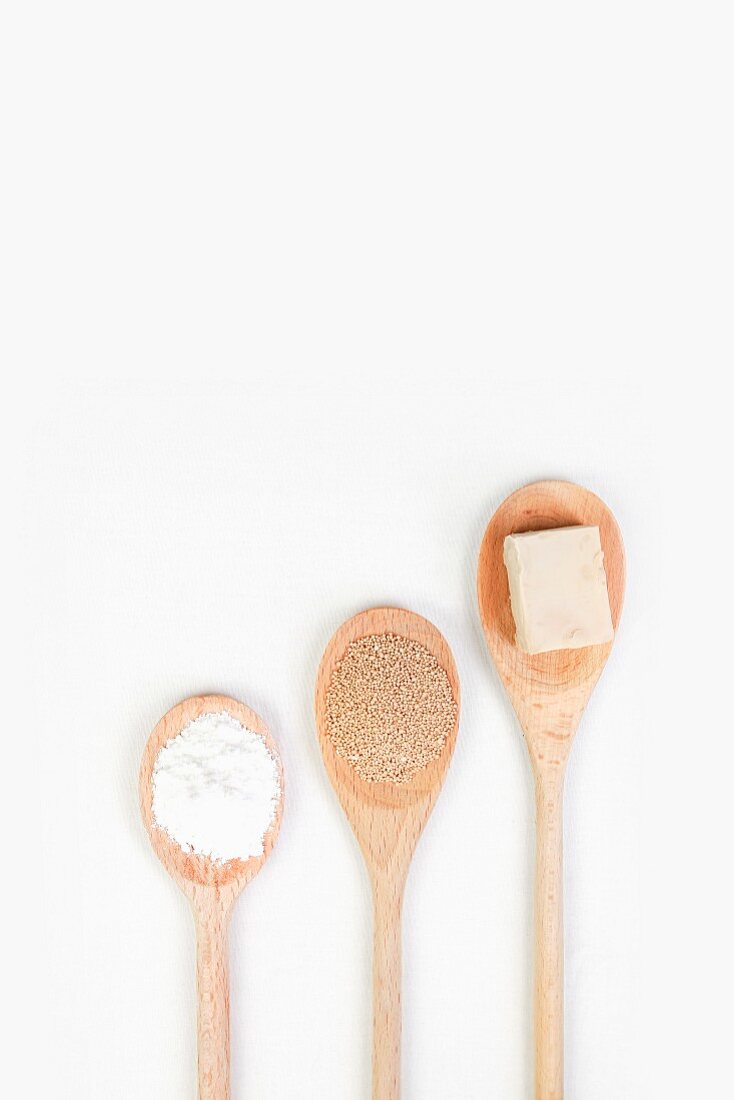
(558, 589)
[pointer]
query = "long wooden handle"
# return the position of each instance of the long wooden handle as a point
(387, 976)
(212, 973)
(549, 936)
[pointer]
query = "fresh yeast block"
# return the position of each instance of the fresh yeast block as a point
(558, 589)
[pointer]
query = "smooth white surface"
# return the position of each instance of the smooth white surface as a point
(332, 280)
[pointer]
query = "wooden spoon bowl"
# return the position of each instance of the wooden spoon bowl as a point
(387, 820)
(548, 692)
(212, 887)
(538, 678)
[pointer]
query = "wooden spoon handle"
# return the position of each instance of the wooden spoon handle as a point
(549, 936)
(387, 976)
(212, 973)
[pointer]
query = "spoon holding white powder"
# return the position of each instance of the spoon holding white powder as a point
(216, 789)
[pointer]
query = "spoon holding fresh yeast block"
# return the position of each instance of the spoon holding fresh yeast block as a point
(218, 779)
(554, 584)
(387, 709)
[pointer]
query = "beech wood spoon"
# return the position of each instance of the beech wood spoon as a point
(211, 887)
(548, 692)
(387, 819)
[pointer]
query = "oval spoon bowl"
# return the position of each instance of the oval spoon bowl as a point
(535, 681)
(364, 802)
(188, 869)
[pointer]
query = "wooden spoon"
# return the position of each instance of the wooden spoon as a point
(387, 819)
(212, 888)
(548, 692)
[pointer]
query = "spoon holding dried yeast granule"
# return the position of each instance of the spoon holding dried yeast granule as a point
(387, 709)
(211, 796)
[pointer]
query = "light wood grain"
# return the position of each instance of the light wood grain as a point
(548, 692)
(212, 889)
(387, 820)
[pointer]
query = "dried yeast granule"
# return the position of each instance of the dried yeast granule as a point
(389, 708)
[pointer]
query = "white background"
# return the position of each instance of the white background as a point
(294, 295)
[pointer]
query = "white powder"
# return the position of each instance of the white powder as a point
(216, 788)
